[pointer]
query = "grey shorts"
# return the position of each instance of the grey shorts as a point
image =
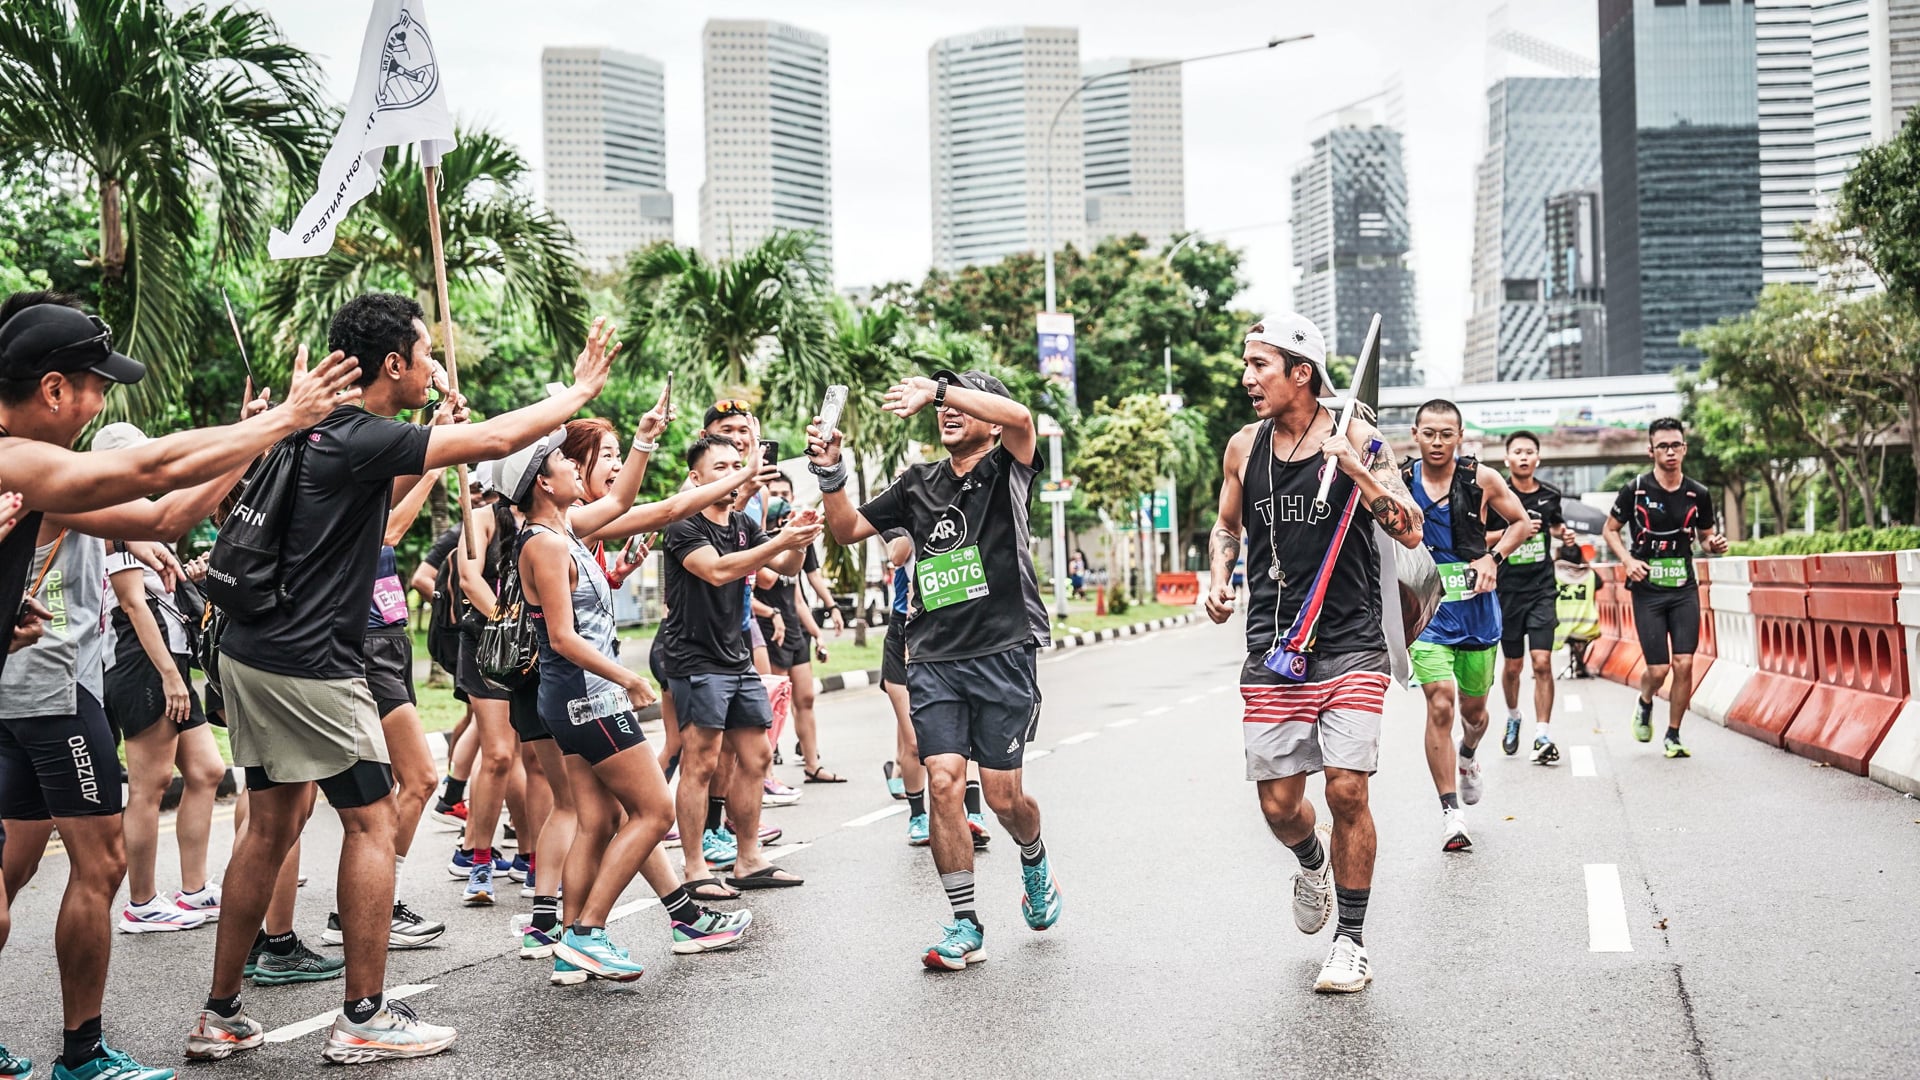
(721, 702)
(985, 709)
(299, 729)
(1332, 720)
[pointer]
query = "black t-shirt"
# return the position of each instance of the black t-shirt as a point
(16, 559)
(1659, 525)
(970, 540)
(1529, 569)
(332, 547)
(702, 634)
(785, 595)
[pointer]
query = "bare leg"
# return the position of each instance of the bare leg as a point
(465, 746)
(366, 894)
(150, 757)
(1354, 841)
(261, 852)
(1286, 808)
(906, 746)
(537, 800)
(632, 778)
(556, 837)
(414, 776)
(83, 935)
(743, 798)
(1016, 809)
(596, 815)
(1473, 720)
(1651, 679)
(700, 756)
(1510, 682)
(1680, 694)
(26, 845)
(1542, 660)
(201, 771)
(804, 727)
(498, 747)
(1441, 760)
(947, 813)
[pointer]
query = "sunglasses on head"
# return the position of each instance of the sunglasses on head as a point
(100, 343)
(732, 407)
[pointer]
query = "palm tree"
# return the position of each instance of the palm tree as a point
(711, 318)
(146, 98)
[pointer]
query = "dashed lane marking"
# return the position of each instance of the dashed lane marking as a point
(1221, 689)
(325, 1020)
(1160, 711)
(1606, 910)
(1036, 755)
(1582, 760)
(1080, 738)
(1128, 722)
(1190, 699)
(1574, 704)
(881, 814)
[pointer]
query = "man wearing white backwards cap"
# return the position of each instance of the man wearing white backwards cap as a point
(1328, 715)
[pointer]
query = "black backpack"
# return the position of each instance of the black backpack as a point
(508, 648)
(245, 578)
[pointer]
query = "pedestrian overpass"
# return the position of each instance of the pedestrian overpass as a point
(1599, 421)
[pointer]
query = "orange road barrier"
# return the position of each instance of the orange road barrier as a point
(1180, 590)
(1773, 696)
(1860, 660)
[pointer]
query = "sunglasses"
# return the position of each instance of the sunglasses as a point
(732, 407)
(100, 343)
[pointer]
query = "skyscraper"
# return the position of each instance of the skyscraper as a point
(1135, 171)
(1783, 36)
(1543, 137)
(604, 139)
(992, 95)
(1680, 165)
(769, 135)
(1576, 284)
(1350, 243)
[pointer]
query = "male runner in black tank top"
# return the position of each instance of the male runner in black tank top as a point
(1332, 719)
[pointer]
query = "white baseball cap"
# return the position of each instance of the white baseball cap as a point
(514, 474)
(1294, 333)
(119, 436)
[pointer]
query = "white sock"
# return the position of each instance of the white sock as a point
(1513, 714)
(1540, 730)
(399, 864)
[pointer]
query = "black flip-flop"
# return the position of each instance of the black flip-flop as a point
(721, 893)
(815, 776)
(764, 879)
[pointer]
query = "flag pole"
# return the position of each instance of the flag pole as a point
(432, 174)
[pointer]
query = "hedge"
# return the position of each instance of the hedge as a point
(1895, 538)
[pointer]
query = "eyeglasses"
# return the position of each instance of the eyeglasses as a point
(1437, 433)
(101, 342)
(733, 407)
(1668, 447)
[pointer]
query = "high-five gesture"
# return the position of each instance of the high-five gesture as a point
(909, 396)
(313, 394)
(591, 368)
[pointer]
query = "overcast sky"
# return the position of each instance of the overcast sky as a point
(1249, 119)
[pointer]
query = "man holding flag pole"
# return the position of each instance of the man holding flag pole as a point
(1316, 674)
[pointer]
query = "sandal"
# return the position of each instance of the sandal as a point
(766, 879)
(822, 776)
(711, 890)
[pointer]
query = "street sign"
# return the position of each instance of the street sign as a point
(1064, 496)
(1158, 508)
(1056, 348)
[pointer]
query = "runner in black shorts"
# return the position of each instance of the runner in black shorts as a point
(1666, 512)
(975, 620)
(1529, 595)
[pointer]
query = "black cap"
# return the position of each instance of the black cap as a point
(974, 380)
(54, 337)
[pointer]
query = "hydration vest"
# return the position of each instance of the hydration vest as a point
(1463, 500)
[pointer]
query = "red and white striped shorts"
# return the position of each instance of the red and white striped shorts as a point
(1333, 720)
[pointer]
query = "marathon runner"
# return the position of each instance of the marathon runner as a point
(1667, 513)
(1454, 657)
(1529, 597)
(1331, 721)
(974, 626)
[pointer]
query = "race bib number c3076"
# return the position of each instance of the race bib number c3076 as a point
(954, 578)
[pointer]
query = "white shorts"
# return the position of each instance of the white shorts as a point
(1332, 720)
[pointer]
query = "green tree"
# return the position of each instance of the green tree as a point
(1880, 201)
(1123, 453)
(144, 97)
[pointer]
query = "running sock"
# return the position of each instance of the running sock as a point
(483, 856)
(973, 796)
(582, 930)
(1033, 854)
(1673, 734)
(82, 1044)
(1311, 855)
(456, 791)
(281, 944)
(143, 903)
(917, 802)
(716, 810)
(1467, 751)
(546, 914)
(959, 886)
(399, 864)
(1540, 731)
(1450, 801)
(361, 1011)
(680, 906)
(1353, 913)
(226, 1008)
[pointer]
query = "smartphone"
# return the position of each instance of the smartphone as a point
(830, 410)
(669, 393)
(636, 544)
(770, 451)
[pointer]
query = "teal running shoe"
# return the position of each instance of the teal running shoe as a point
(896, 786)
(712, 930)
(718, 847)
(977, 825)
(1041, 904)
(565, 974)
(113, 1065)
(304, 965)
(253, 954)
(537, 944)
(963, 943)
(1510, 744)
(596, 954)
(13, 1066)
(918, 834)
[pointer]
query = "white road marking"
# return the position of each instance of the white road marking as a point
(1036, 755)
(1080, 738)
(325, 1019)
(1574, 704)
(882, 814)
(1221, 689)
(1129, 721)
(1190, 699)
(1162, 709)
(1606, 910)
(1582, 760)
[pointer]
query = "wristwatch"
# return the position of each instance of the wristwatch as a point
(1499, 559)
(940, 394)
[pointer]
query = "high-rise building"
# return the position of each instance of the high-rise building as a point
(1783, 39)
(1135, 171)
(1576, 285)
(1680, 165)
(991, 98)
(1543, 136)
(1350, 243)
(604, 139)
(769, 135)
(1903, 57)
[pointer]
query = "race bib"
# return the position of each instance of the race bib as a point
(953, 578)
(390, 600)
(1453, 579)
(1533, 551)
(1669, 573)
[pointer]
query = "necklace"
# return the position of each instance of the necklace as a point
(1274, 570)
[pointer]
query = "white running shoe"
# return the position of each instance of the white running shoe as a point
(1453, 830)
(1470, 783)
(215, 1037)
(396, 1031)
(1313, 890)
(1544, 752)
(157, 916)
(205, 902)
(775, 793)
(1346, 970)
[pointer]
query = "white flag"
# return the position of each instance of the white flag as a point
(399, 97)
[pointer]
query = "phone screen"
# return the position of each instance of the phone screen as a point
(770, 451)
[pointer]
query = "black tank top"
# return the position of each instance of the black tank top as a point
(1350, 618)
(16, 558)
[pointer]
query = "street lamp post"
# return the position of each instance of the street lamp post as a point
(1054, 450)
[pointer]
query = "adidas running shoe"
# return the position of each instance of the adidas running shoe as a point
(1313, 889)
(962, 942)
(565, 974)
(158, 916)
(1346, 970)
(896, 786)
(712, 930)
(717, 847)
(206, 901)
(13, 1066)
(977, 825)
(537, 944)
(596, 954)
(1040, 902)
(919, 833)
(112, 1065)
(215, 1037)
(396, 1031)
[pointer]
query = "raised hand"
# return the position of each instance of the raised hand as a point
(824, 453)
(595, 362)
(795, 537)
(254, 406)
(654, 423)
(909, 396)
(313, 394)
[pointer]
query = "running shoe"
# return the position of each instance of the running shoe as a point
(1673, 748)
(1041, 900)
(508, 837)
(1643, 721)
(461, 865)
(529, 888)
(1313, 889)
(594, 953)
(158, 916)
(718, 848)
(962, 943)
(672, 839)
(1346, 970)
(775, 793)
(253, 954)
(1470, 782)
(769, 834)
(712, 930)
(304, 965)
(1453, 830)
(977, 825)
(206, 901)
(453, 815)
(896, 786)
(396, 1031)
(537, 944)
(517, 869)
(408, 930)
(479, 891)
(112, 1065)
(919, 833)
(565, 974)
(13, 1066)
(1544, 751)
(215, 1037)
(1510, 743)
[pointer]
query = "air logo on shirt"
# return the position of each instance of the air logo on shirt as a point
(948, 533)
(1294, 510)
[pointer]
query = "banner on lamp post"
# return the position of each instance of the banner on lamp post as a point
(1056, 348)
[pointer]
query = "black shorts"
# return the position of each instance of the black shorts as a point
(1661, 614)
(60, 766)
(654, 655)
(363, 784)
(795, 650)
(477, 686)
(390, 667)
(136, 700)
(986, 709)
(524, 711)
(598, 739)
(722, 702)
(893, 652)
(1527, 621)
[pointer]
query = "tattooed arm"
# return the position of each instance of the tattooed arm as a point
(1385, 493)
(1223, 547)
